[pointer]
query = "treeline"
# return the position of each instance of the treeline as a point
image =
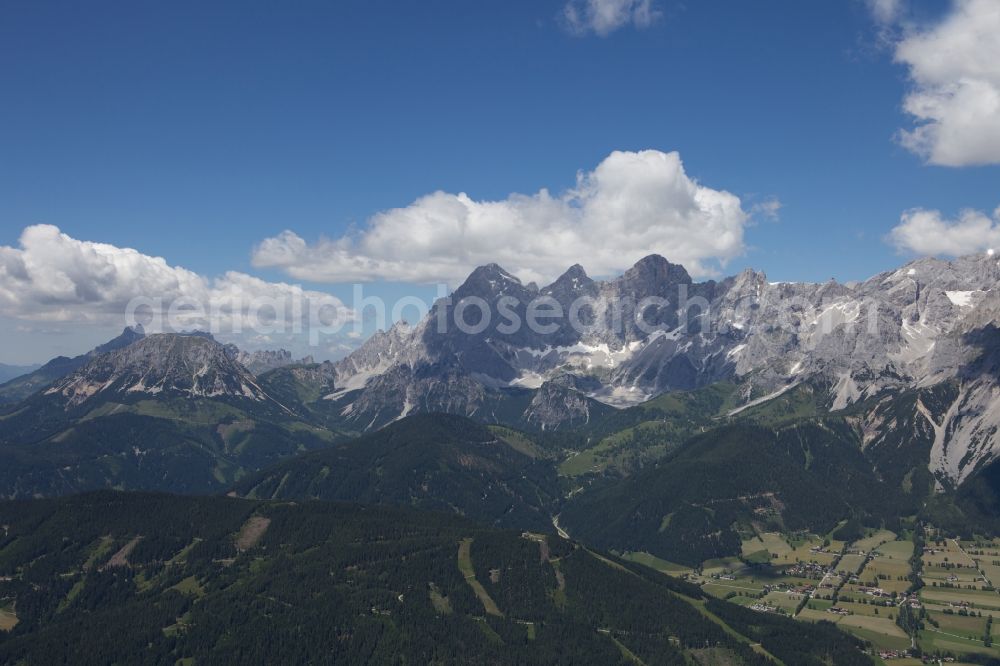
(799, 643)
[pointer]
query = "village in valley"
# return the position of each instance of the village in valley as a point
(923, 596)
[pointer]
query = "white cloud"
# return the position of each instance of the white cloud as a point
(769, 209)
(954, 66)
(53, 277)
(886, 11)
(602, 17)
(927, 232)
(631, 205)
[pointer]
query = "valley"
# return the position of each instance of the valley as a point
(917, 590)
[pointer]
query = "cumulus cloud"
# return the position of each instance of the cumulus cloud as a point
(954, 66)
(602, 17)
(631, 205)
(927, 232)
(53, 277)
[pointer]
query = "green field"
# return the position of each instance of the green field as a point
(802, 552)
(964, 625)
(896, 550)
(874, 540)
(879, 639)
(724, 590)
(931, 641)
(890, 575)
(658, 564)
(772, 543)
(963, 576)
(783, 600)
(867, 610)
(722, 565)
(978, 599)
(877, 625)
(879, 630)
(850, 564)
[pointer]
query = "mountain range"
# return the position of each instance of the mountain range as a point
(654, 432)
(929, 323)
(890, 383)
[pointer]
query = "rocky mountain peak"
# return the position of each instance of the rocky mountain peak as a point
(492, 272)
(747, 283)
(652, 274)
(128, 336)
(574, 274)
(572, 284)
(491, 281)
(574, 281)
(163, 363)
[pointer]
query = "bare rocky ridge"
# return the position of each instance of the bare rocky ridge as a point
(162, 364)
(905, 328)
(259, 362)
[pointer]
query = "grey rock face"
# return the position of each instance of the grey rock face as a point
(654, 329)
(557, 403)
(163, 364)
(258, 362)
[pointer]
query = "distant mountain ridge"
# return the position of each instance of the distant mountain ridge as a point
(261, 361)
(928, 330)
(9, 372)
(21, 387)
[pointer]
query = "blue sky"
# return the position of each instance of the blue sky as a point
(193, 131)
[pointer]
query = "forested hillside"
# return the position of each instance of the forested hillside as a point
(111, 577)
(690, 506)
(430, 461)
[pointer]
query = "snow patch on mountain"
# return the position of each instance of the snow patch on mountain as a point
(963, 299)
